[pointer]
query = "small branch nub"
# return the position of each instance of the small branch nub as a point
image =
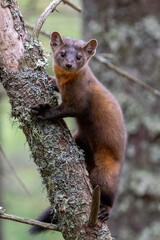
(95, 206)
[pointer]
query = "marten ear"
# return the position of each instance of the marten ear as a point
(55, 41)
(90, 48)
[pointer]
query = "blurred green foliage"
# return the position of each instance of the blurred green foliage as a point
(15, 199)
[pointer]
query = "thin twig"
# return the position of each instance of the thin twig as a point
(72, 5)
(14, 171)
(52, 6)
(95, 206)
(123, 73)
(29, 221)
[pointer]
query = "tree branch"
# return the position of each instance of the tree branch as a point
(78, 9)
(95, 206)
(123, 73)
(51, 7)
(29, 221)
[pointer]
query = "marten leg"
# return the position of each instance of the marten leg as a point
(106, 175)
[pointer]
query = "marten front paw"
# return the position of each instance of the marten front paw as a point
(103, 214)
(42, 111)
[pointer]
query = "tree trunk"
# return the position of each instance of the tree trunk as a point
(130, 31)
(59, 161)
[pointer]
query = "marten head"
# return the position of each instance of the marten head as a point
(71, 54)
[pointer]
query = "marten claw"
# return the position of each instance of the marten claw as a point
(34, 109)
(40, 107)
(103, 215)
(41, 110)
(41, 117)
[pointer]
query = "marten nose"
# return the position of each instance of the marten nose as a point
(68, 65)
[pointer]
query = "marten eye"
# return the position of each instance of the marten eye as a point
(79, 57)
(63, 54)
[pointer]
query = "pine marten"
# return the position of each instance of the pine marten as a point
(100, 130)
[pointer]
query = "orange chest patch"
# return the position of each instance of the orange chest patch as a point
(64, 76)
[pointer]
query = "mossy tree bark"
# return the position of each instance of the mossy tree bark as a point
(60, 163)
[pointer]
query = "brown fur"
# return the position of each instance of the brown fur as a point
(101, 131)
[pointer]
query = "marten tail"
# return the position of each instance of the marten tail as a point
(46, 216)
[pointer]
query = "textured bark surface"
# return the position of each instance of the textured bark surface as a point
(130, 30)
(59, 161)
